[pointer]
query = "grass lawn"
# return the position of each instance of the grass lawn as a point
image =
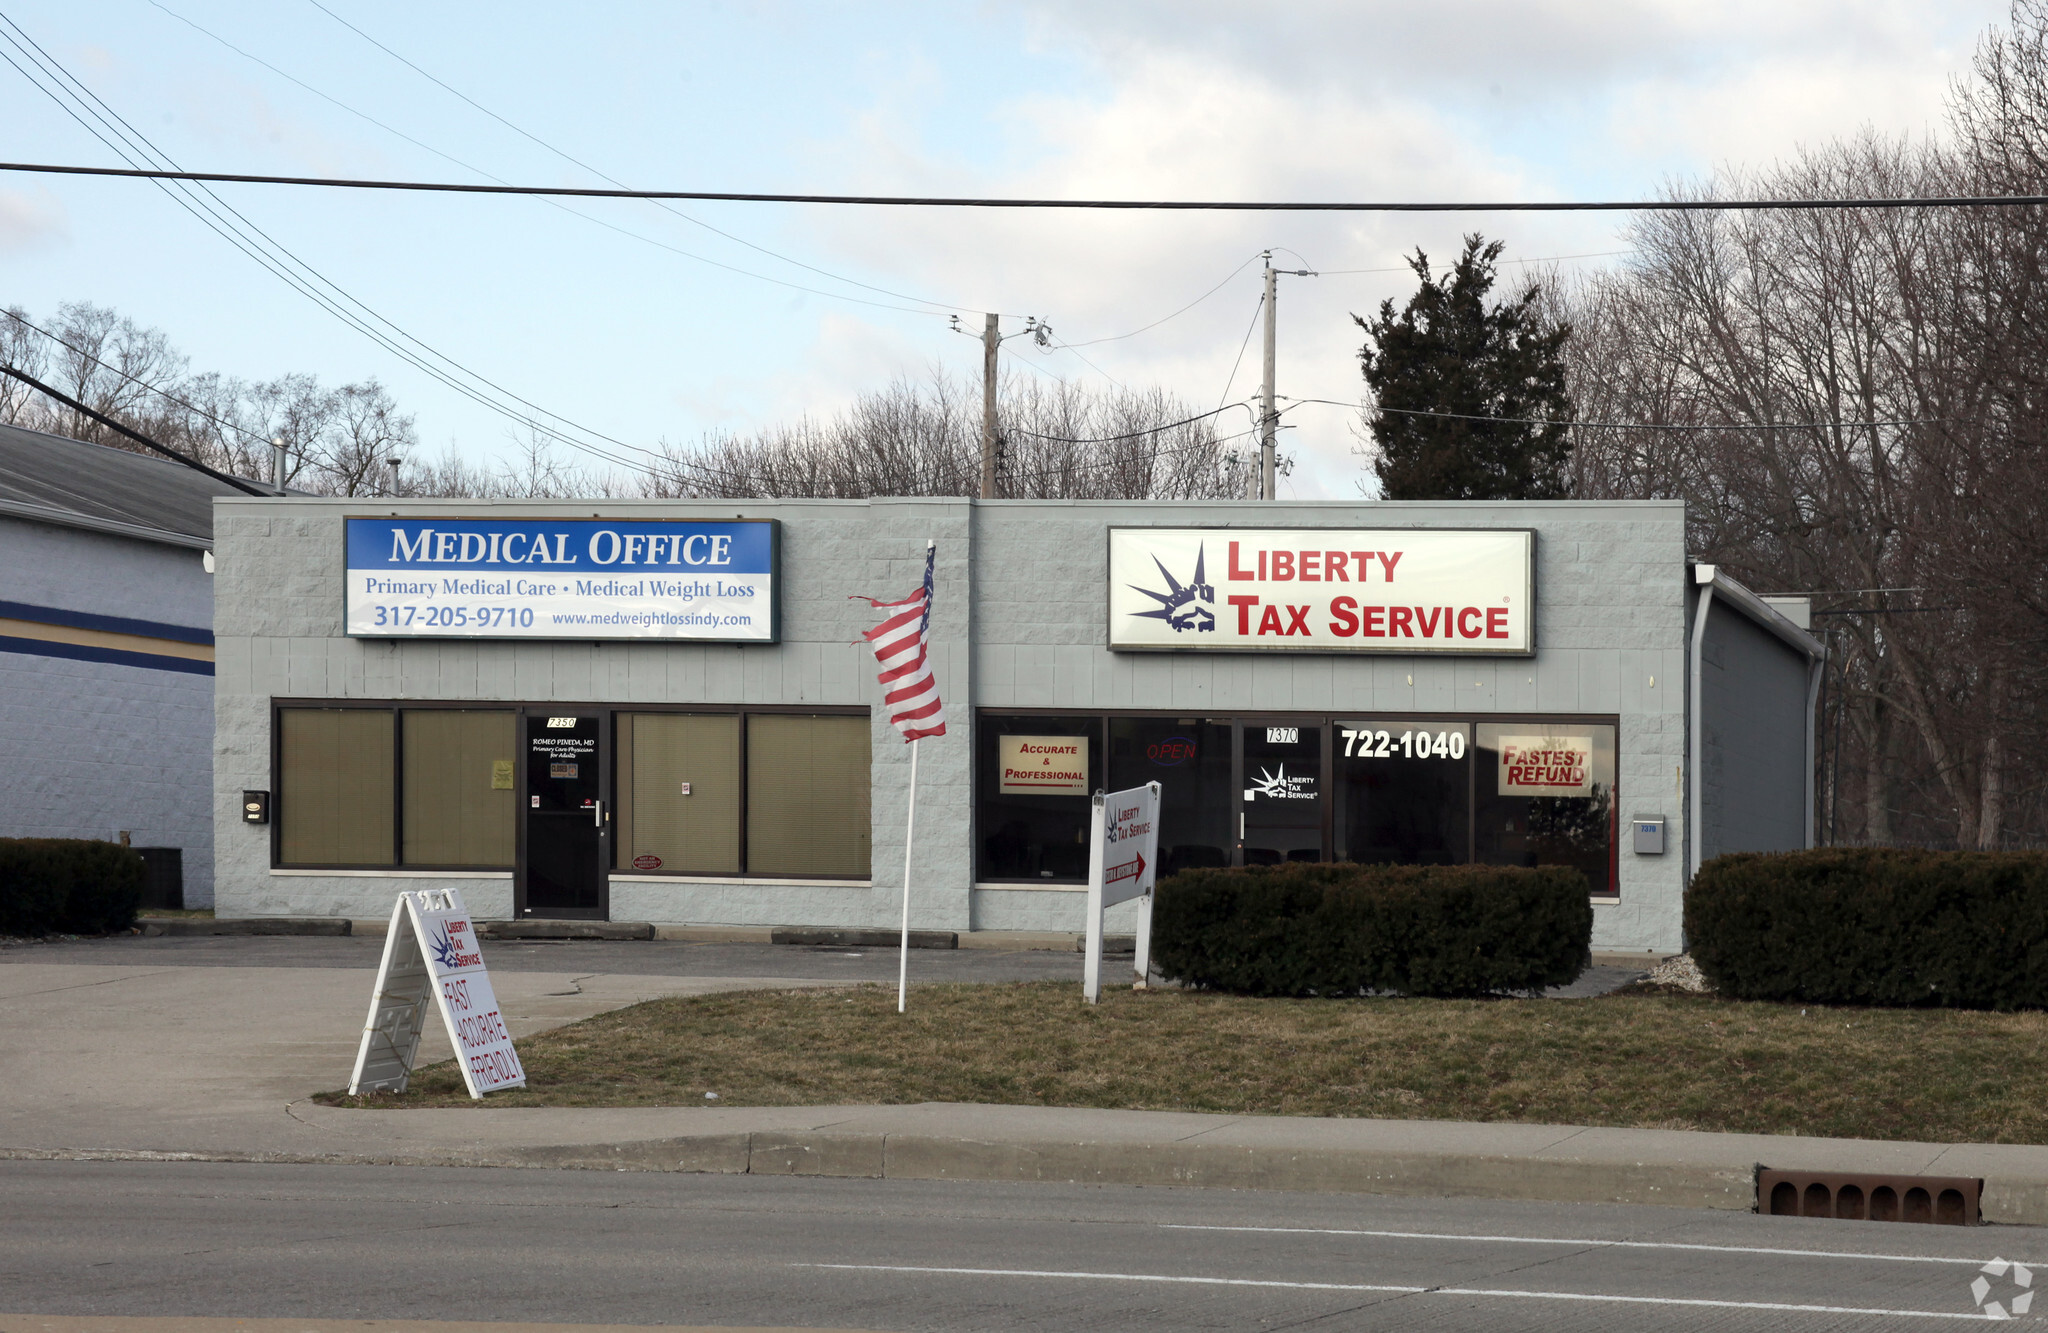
(1645, 1060)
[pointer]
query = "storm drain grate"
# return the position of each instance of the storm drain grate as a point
(1943, 1200)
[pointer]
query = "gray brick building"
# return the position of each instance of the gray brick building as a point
(1524, 702)
(106, 650)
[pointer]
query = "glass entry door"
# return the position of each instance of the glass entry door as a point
(565, 847)
(1281, 814)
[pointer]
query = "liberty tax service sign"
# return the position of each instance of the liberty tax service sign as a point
(558, 578)
(1123, 863)
(431, 952)
(1388, 590)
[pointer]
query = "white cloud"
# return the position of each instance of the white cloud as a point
(31, 220)
(1209, 99)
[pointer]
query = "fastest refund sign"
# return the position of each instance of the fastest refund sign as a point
(563, 578)
(1330, 590)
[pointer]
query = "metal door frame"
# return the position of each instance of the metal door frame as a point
(1326, 768)
(605, 722)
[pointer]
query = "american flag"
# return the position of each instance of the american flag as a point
(909, 691)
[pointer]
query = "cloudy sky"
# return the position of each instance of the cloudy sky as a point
(645, 323)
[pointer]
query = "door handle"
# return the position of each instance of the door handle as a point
(597, 815)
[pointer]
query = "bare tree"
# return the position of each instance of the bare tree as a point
(1848, 400)
(1056, 440)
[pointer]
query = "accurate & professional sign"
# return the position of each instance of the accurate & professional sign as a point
(559, 578)
(1410, 591)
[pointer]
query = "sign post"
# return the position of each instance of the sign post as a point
(1123, 856)
(431, 952)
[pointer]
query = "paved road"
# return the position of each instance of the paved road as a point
(186, 1239)
(667, 958)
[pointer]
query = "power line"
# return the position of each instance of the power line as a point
(1232, 381)
(578, 162)
(134, 435)
(235, 228)
(1545, 259)
(1129, 435)
(136, 379)
(1623, 425)
(1119, 337)
(1113, 205)
(596, 221)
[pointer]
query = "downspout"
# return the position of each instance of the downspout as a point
(1703, 578)
(1816, 670)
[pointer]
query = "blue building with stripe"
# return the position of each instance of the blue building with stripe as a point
(106, 650)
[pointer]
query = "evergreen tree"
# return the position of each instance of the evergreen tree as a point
(1451, 354)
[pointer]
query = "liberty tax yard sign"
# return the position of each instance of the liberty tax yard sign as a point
(1389, 590)
(431, 952)
(1123, 863)
(563, 578)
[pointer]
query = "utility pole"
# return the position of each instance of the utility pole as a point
(1264, 483)
(1269, 420)
(991, 344)
(991, 351)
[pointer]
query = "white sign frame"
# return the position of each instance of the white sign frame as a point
(1123, 829)
(492, 576)
(425, 956)
(1443, 592)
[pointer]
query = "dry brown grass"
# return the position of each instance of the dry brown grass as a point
(1647, 1060)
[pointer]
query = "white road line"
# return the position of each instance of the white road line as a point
(1780, 1306)
(1619, 1244)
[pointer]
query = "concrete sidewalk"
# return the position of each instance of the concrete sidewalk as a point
(216, 1063)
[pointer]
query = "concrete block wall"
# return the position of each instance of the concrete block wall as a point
(1610, 636)
(91, 748)
(1753, 738)
(1028, 631)
(280, 635)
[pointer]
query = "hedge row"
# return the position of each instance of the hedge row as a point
(73, 885)
(1321, 929)
(1876, 926)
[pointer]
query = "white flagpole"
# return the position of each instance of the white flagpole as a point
(909, 831)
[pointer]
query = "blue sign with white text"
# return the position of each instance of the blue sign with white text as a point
(548, 578)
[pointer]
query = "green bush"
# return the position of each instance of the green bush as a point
(1874, 925)
(1315, 929)
(67, 884)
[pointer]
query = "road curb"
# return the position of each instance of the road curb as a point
(535, 929)
(1200, 1166)
(923, 1156)
(247, 925)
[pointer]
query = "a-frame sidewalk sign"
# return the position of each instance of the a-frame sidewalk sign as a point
(1123, 863)
(431, 953)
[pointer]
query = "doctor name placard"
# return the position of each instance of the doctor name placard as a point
(1387, 590)
(535, 578)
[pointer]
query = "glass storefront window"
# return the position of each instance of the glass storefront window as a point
(335, 777)
(1308, 787)
(807, 795)
(459, 798)
(1546, 797)
(1404, 791)
(705, 793)
(1034, 777)
(1190, 760)
(1282, 815)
